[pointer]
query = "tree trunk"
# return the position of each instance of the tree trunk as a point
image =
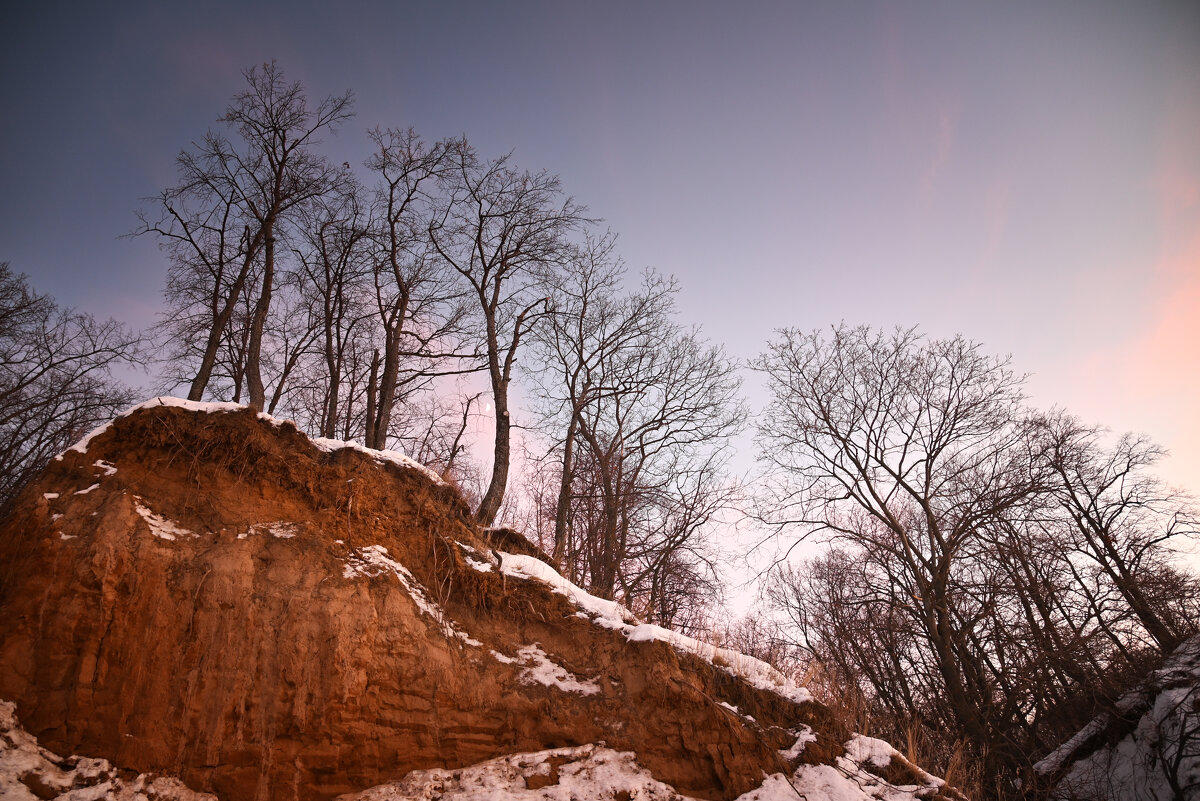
(563, 507)
(254, 382)
(372, 396)
(213, 343)
(489, 507)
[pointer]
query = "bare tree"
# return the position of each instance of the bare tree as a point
(329, 281)
(221, 223)
(55, 379)
(419, 310)
(994, 574)
(589, 321)
(502, 230)
(1121, 516)
(907, 449)
(645, 408)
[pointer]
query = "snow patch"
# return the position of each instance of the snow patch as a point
(160, 526)
(596, 772)
(86, 491)
(484, 563)
(373, 560)
(49, 495)
(804, 735)
(108, 468)
(588, 771)
(869, 750)
(280, 529)
(194, 406)
(607, 613)
(394, 457)
(614, 616)
(1159, 756)
(25, 765)
(537, 668)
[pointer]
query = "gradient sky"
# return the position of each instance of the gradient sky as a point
(1026, 174)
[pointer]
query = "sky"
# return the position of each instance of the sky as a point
(1026, 174)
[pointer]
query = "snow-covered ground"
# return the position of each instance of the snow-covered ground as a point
(29, 772)
(595, 772)
(1156, 758)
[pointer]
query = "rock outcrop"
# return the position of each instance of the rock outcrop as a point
(202, 592)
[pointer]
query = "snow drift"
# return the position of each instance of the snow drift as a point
(1146, 747)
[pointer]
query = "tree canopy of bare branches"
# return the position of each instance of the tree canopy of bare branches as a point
(503, 230)
(55, 378)
(221, 224)
(644, 410)
(989, 566)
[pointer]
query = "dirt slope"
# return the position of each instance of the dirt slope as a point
(206, 593)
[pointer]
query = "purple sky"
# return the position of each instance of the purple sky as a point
(1027, 174)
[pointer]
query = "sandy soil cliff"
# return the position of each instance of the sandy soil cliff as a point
(202, 592)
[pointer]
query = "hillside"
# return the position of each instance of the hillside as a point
(200, 592)
(1147, 746)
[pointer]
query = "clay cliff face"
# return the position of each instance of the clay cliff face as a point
(211, 595)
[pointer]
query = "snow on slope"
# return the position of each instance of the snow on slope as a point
(29, 772)
(1156, 728)
(614, 616)
(596, 772)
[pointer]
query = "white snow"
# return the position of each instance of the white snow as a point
(844, 781)
(804, 735)
(281, 529)
(584, 772)
(607, 613)
(86, 491)
(394, 457)
(596, 772)
(160, 526)
(869, 750)
(1162, 749)
(538, 669)
(194, 406)
(373, 560)
(49, 495)
(24, 764)
(484, 564)
(65, 537)
(108, 468)
(614, 616)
